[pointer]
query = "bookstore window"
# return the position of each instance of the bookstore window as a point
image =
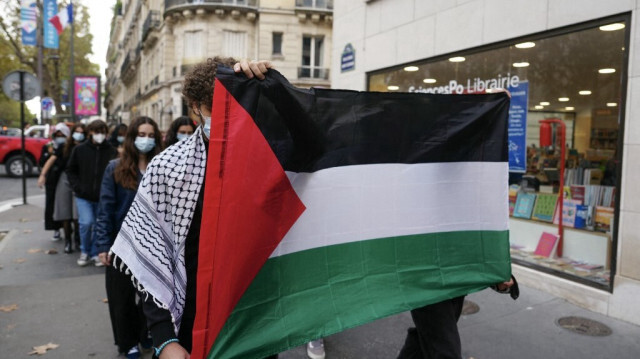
(567, 88)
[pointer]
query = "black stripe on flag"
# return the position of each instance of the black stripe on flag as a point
(315, 129)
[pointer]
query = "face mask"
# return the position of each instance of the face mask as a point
(60, 140)
(145, 144)
(182, 136)
(99, 137)
(120, 139)
(206, 128)
(78, 136)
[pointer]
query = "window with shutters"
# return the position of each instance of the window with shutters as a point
(234, 44)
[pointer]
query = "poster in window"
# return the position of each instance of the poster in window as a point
(87, 95)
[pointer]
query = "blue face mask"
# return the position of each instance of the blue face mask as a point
(60, 140)
(120, 139)
(78, 136)
(182, 136)
(206, 128)
(145, 144)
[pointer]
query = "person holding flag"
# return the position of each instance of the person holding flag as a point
(170, 293)
(325, 209)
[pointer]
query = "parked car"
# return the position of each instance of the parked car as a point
(10, 152)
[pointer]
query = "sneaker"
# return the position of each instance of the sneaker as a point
(97, 261)
(315, 349)
(83, 260)
(133, 353)
(56, 236)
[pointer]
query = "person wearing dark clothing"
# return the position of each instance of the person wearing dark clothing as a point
(86, 166)
(49, 175)
(119, 187)
(65, 208)
(117, 136)
(174, 180)
(181, 128)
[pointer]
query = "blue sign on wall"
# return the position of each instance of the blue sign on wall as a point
(518, 127)
(50, 32)
(348, 59)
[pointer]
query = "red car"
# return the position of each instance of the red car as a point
(10, 154)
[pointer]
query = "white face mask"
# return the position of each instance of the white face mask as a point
(145, 144)
(78, 136)
(206, 128)
(99, 137)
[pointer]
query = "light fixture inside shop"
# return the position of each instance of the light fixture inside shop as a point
(607, 71)
(563, 99)
(569, 108)
(525, 45)
(538, 107)
(612, 104)
(520, 64)
(393, 88)
(545, 103)
(612, 27)
(457, 59)
(585, 92)
(411, 68)
(429, 81)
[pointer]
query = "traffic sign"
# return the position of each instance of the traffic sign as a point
(11, 85)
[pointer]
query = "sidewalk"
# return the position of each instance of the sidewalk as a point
(62, 303)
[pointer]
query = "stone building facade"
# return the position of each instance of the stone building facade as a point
(154, 43)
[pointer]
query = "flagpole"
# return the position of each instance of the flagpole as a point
(71, 88)
(40, 36)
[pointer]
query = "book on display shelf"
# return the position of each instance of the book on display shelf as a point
(569, 210)
(603, 219)
(545, 207)
(524, 205)
(546, 244)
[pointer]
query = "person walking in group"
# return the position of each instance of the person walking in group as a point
(117, 135)
(86, 166)
(119, 186)
(171, 197)
(181, 128)
(49, 175)
(64, 208)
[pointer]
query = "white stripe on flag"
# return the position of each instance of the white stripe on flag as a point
(355, 203)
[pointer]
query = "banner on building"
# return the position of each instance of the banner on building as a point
(51, 40)
(328, 209)
(29, 22)
(86, 90)
(518, 127)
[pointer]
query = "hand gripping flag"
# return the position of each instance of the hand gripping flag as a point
(63, 19)
(328, 209)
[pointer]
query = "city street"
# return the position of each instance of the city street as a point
(11, 188)
(56, 301)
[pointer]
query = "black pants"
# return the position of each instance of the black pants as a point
(127, 320)
(436, 333)
(49, 202)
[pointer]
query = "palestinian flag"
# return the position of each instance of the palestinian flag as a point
(329, 209)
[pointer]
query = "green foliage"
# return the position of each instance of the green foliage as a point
(56, 63)
(10, 112)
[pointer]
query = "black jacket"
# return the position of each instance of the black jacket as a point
(86, 167)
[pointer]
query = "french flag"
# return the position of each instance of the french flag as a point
(63, 19)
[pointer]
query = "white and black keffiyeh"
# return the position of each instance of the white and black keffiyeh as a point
(151, 242)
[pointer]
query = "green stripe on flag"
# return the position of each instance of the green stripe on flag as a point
(337, 287)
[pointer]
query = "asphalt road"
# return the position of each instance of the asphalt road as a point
(11, 188)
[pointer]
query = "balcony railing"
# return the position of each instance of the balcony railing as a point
(313, 72)
(168, 4)
(125, 63)
(323, 5)
(151, 22)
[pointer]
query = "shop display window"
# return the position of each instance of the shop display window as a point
(568, 89)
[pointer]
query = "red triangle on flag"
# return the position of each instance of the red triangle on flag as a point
(249, 206)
